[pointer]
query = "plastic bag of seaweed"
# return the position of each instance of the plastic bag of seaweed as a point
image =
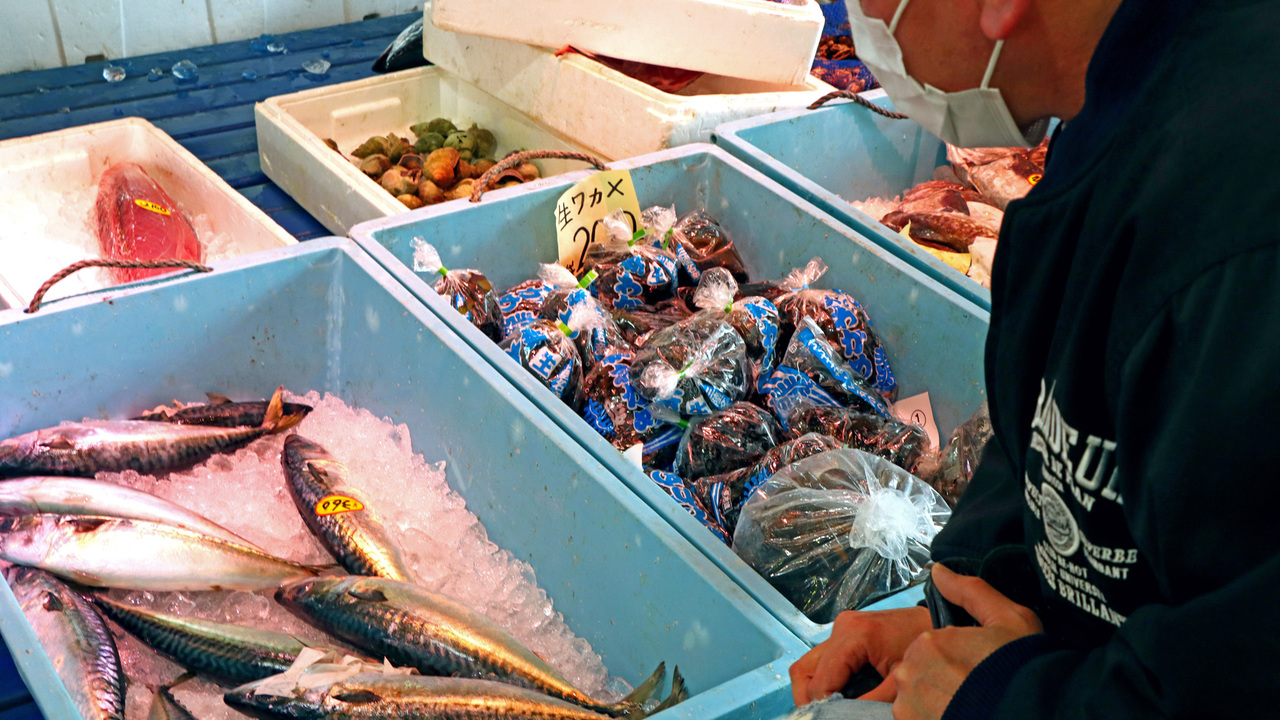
(468, 291)
(813, 373)
(756, 320)
(839, 530)
(692, 368)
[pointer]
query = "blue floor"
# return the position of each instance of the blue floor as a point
(211, 115)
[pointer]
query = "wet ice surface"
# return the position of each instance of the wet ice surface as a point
(184, 70)
(445, 545)
(113, 73)
(42, 232)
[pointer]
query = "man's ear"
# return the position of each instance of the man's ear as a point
(1000, 17)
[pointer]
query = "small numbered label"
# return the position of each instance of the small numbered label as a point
(148, 205)
(334, 504)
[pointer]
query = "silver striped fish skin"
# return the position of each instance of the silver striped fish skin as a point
(86, 449)
(413, 627)
(78, 641)
(232, 653)
(223, 412)
(375, 696)
(357, 539)
(139, 555)
(166, 707)
(58, 495)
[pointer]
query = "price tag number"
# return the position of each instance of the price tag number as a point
(335, 504)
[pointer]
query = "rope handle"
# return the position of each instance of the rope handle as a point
(73, 268)
(482, 185)
(851, 95)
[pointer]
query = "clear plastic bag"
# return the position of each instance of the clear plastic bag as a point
(812, 373)
(723, 495)
(756, 320)
(617, 412)
(632, 271)
(468, 291)
(844, 322)
(675, 487)
(706, 245)
(549, 351)
(903, 444)
(839, 530)
(692, 368)
(725, 440)
(950, 471)
(596, 332)
(522, 305)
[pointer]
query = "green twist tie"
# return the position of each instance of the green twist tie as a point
(636, 236)
(683, 424)
(564, 328)
(728, 308)
(443, 271)
(587, 279)
(667, 238)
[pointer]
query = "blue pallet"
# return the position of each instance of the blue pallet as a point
(212, 115)
(844, 152)
(325, 316)
(934, 337)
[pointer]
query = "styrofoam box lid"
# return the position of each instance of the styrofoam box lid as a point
(292, 129)
(612, 114)
(68, 163)
(752, 39)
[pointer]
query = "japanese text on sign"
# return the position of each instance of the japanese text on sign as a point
(581, 208)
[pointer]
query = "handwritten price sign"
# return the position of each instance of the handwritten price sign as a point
(581, 208)
(334, 504)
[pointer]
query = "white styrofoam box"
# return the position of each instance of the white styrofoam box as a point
(292, 129)
(752, 39)
(49, 182)
(612, 114)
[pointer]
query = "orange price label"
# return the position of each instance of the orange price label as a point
(1033, 179)
(334, 504)
(148, 205)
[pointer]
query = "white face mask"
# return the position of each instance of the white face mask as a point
(970, 118)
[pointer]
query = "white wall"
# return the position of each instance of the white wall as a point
(50, 33)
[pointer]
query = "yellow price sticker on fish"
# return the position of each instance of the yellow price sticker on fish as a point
(148, 205)
(334, 504)
(580, 210)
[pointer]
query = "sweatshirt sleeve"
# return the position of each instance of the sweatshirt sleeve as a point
(1197, 453)
(989, 513)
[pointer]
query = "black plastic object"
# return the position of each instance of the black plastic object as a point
(404, 52)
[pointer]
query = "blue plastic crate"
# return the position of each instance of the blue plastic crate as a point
(933, 336)
(843, 152)
(325, 316)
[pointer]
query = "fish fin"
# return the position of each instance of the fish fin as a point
(358, 697)
(58, 443)
(178, 680)
(217, 399)
(645, 690)
(370, 595)
(52, 603)
(321, 568)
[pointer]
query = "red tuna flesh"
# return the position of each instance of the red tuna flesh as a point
(137, 220)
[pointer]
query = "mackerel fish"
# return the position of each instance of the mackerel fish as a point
(377, 696)
(230, 653)
(339, 515)
(412, 627)
(89, 448)
(76, 639)
(222, 412)
(80, 496)
(166, 707)
(139, 555)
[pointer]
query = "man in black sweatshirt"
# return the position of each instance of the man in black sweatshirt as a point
(1131, 369)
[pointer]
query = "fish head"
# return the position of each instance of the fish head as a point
(26, 539)
(300, 705)
(14, 453)
(298, 451)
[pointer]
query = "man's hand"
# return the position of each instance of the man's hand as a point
(938, 661)
(857, 638)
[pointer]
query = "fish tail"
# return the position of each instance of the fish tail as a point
(679, 693)
(276, 421)
(631, 707)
